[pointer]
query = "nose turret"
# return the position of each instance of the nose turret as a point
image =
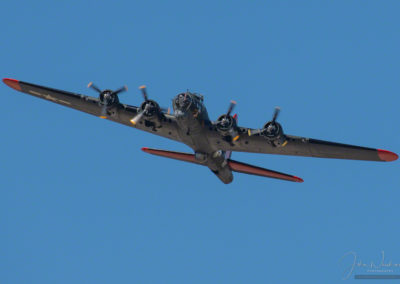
(189, 105)
(182, 101)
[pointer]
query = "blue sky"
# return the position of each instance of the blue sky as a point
(80, 203)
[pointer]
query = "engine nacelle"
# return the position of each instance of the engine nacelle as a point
(226, 125)
(273, 132)
(153, 115)
(108, 98)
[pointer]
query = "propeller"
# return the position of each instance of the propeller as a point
(113, 93)
(231, 107)
(144, 93)
(94, 87)
(225, 119)
(120, 90)
(136, 119)
(107, 97)
(272, 123)
(276, 113)
(149, 106)
(227, 124)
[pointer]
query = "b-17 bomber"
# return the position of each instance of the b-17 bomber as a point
(212, 141)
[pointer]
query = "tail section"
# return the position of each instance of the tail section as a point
(216, 165)
(233, 165)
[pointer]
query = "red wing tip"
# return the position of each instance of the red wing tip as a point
(12, 83)
(145, 149)
(387, 156)
(297, 179)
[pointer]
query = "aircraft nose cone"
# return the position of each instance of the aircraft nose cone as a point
(387, 156)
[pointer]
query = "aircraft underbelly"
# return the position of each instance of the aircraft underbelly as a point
(193, 134)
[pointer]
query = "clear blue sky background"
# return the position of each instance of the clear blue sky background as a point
(80, 203)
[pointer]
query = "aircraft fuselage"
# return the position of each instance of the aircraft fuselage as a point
(194, 124)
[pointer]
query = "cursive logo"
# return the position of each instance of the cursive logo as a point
(382, 266)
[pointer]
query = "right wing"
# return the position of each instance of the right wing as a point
(121, 113)
(308, 147)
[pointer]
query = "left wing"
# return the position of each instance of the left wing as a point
(120, 113)
(308, 147)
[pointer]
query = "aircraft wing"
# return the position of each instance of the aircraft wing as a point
(122, 113)
(308, 147)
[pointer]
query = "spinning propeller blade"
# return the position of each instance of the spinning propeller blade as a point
(252, 132)
(120, 90)
(144, 93)
(231, 107)
(136, 119)
(94, 87)
(103, 113)
(276, 113)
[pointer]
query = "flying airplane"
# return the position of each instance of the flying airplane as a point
(212, 141)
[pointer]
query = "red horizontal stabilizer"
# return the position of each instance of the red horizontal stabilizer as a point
(253, 170)
(171, 154)
(234, 165)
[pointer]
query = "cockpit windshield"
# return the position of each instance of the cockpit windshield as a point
(183, 101)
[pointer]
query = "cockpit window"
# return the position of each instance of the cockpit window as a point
(183, 100)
